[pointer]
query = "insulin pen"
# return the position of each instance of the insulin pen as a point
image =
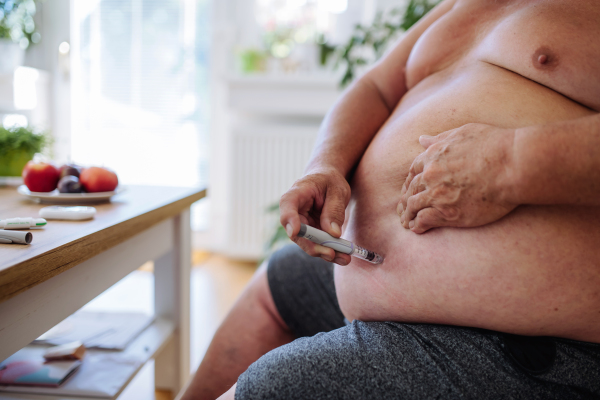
(22, 223)
(343, 246)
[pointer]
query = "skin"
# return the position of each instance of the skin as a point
(477, 174)
(499, 97)
(504, 112)
(252, 328)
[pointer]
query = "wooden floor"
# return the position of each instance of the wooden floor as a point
(216, 283)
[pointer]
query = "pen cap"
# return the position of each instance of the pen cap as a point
(325, 239)
(19, 237)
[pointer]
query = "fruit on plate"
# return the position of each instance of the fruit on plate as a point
(40, 176)
(70, 169)
(69, 184)
(97, 179)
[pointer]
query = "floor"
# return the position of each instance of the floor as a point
(216, 282)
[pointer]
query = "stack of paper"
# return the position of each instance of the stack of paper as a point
(102, 330)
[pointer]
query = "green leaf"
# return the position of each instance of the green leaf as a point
(378, 35)
(22, 139)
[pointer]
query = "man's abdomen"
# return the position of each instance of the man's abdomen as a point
(535, 272)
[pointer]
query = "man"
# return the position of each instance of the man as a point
(504, 96)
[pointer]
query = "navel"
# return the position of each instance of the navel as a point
(544, 58)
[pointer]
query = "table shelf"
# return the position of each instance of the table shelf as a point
(144, 347)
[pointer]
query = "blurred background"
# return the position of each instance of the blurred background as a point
(226, 94)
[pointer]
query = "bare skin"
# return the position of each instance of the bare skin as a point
(496, 73)
(533, 272)
(251, 329)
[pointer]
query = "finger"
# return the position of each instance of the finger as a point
(315, 250)
(400, 207)
(416, 186)
(341, 258)
(427, 219)
(426, 140)
(415, 204)
(289, 207)
(415, 168)
(334, 210)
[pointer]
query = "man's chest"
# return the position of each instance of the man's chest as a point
(553, 43)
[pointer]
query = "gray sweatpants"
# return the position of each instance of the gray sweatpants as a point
(391, 360)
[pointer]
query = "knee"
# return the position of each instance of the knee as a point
(288, 372)
(308, 368)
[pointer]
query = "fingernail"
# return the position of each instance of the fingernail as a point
(411, 224)
(340, 261)
(289, 230)
(336, 228)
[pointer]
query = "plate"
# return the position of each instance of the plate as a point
(55, 197)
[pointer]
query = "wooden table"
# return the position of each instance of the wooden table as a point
(70, 262)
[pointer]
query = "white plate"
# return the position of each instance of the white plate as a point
(55, 197)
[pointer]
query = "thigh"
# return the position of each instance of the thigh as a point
(387, 360)
(303, 291)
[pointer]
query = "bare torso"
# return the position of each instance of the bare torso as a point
(534, 272)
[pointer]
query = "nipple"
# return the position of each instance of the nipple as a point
(544, 58)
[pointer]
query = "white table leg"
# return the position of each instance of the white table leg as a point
(172, 301)
(31, 313)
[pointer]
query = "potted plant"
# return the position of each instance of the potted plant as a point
(17, 146)
(17, 32)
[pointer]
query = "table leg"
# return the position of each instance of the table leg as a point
(172, 301)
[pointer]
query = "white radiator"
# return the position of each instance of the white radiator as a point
(266, 161)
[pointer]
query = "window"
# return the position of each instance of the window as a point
(140, 89)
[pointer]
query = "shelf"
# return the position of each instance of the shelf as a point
(80, 385)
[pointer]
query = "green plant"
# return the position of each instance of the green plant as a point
(16, 22)
(252, 60)
(17, 146)
(368, 43)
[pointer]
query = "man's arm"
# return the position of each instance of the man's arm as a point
(478, 173)
(320, 197)
(558, 163)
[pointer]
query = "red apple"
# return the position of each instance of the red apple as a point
(40, 177)
(97, 179)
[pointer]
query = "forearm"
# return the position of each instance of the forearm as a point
(348, 128)
(557, 163)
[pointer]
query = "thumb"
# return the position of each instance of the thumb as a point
(334, 211)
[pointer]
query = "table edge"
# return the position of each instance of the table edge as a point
(25, 275)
